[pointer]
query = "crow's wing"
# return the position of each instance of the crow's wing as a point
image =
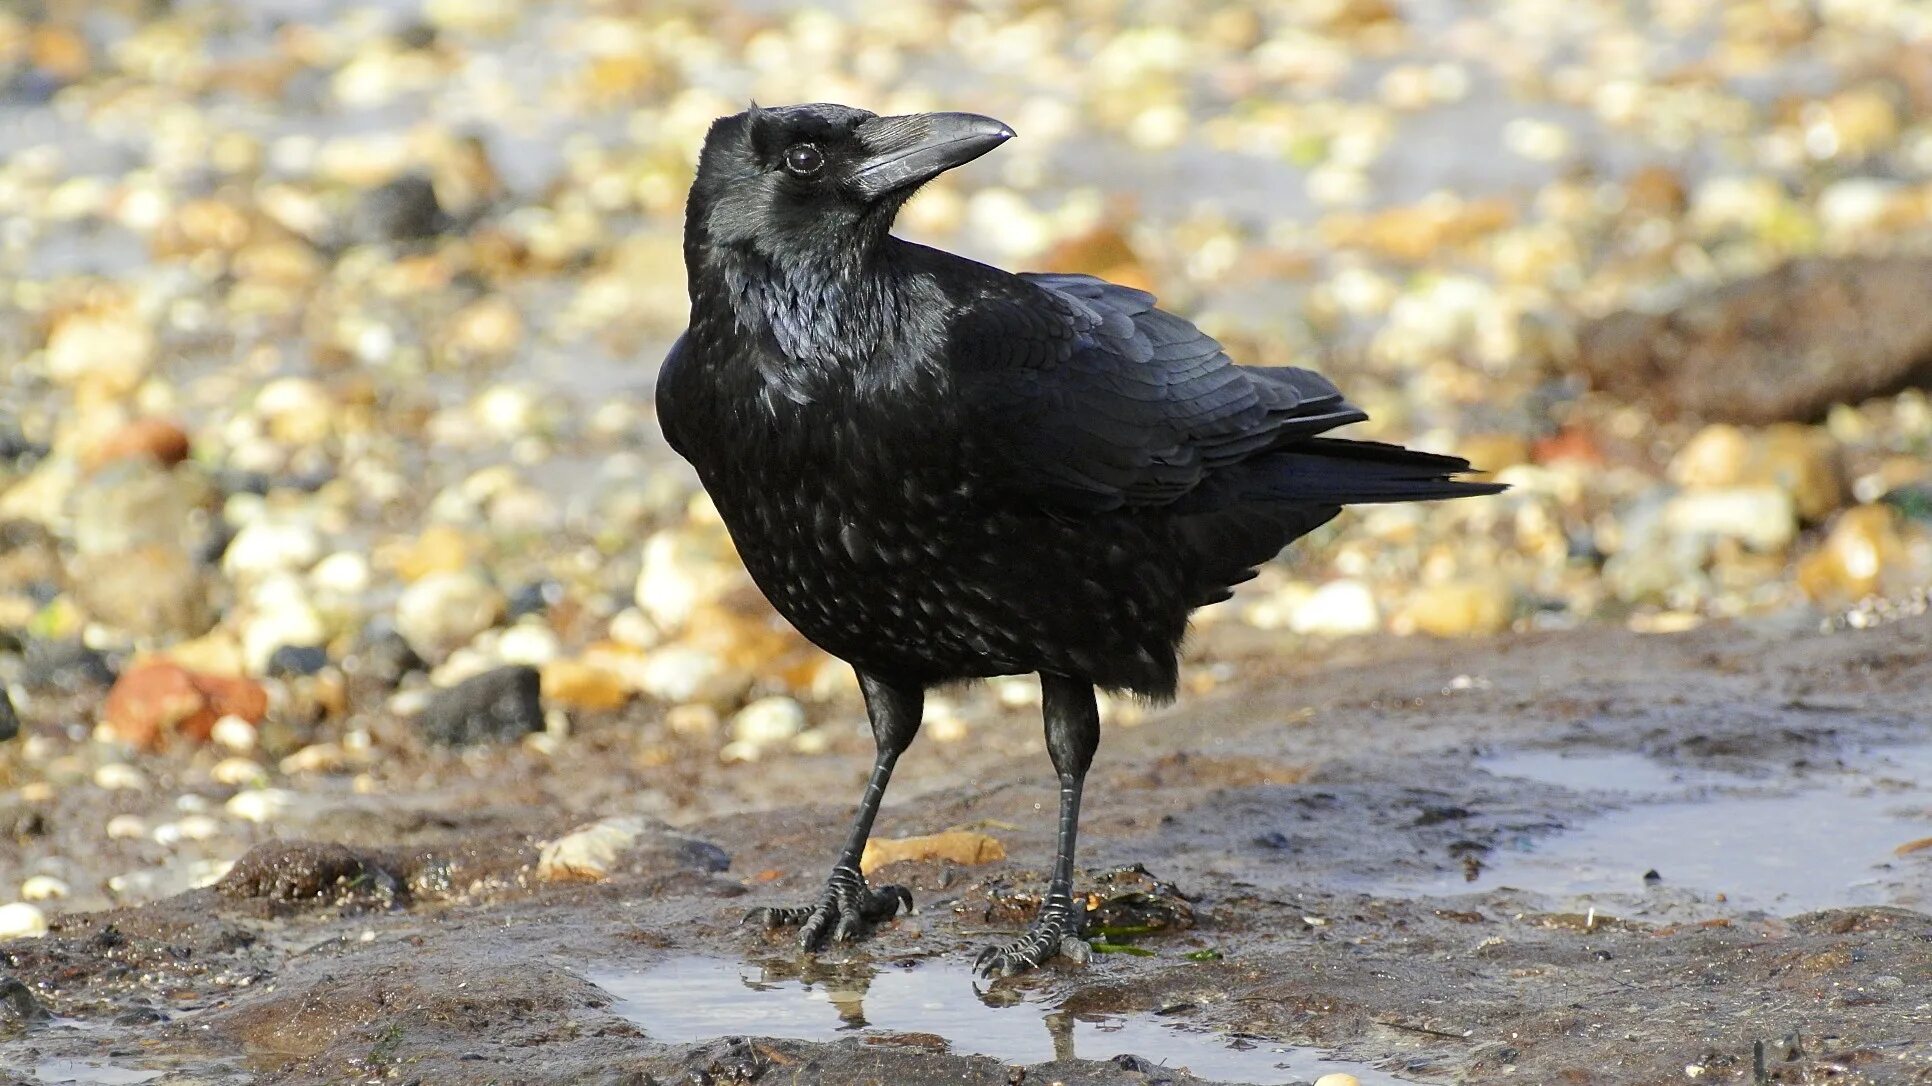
(1091, 399)
(673, 389)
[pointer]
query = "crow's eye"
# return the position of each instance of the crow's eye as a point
(803, 159)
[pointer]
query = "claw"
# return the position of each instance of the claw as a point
(1050, 936)
(843, 911)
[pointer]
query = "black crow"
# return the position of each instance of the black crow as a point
(939, 471)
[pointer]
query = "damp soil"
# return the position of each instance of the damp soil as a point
(1570, 857)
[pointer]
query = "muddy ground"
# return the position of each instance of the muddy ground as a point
(1356, 834)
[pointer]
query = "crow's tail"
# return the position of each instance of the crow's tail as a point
(1336, 471)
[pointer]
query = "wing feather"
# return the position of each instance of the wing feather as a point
(1090, 398)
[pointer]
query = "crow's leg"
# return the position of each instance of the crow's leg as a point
(1072, 734)
(848, 905)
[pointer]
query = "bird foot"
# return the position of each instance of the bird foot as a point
(1054, 932)
(843, 911)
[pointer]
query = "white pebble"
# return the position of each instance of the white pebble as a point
(528, 643)
(122, 827)
(445, 610)
(684, 569)
(1763, 518)
(1336, 1078)
(942, 720)
(119, 776)
(20, 920)
(271, 545)
(589, 852)
(234, 733)
(682, 673)
(1337, 608)
(292, 621)
(198, 827)
(344, 573)
(768, 720)
(43, 888)
(261, 804)
(633, 627)
(238, 771)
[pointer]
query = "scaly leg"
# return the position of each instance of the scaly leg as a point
(1073, 734)
(848, 905)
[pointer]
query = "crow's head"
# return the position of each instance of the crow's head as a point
(822, 178)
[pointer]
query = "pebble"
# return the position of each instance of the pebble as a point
(580, 684)
(497, 706)
(156, 700)
(1860, 554)
(1336, 1078)
(1337, 609)
(403, 209)
(120, 777)
(344, 574)
(595, 852)
(64, 666)
(157, 441)
(123, 827)
(768, 720)
(21, 920)
(967, 847)
(238, 772)
(298, 411)
(130, 504)
(942, 721)
(296, 661)
(192, 828)
(261, 805)
(9, 720)
(682, 673)
(288, 627)
(233, 733)
(1467, 608)
(529, 643)
(441, 548)
(271, 545)
(1761, 517)
(43, 888)
(109, 353)
(152, 591)
(632, 627)
(1801, 461)
(443, 611)
(684, 569)
(589, 852)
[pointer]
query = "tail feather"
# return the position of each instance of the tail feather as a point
(1242, 515)
(1357, 472)
(1337, 471)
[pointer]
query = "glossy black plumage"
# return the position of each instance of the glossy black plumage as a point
(938, 470)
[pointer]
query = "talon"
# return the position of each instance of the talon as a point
(1047, 938)
(844, 910)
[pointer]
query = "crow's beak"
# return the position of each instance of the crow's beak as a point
(913, 149)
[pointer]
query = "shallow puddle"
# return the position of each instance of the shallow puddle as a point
(698, 998)
(1782, 846)
(90, 1073)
